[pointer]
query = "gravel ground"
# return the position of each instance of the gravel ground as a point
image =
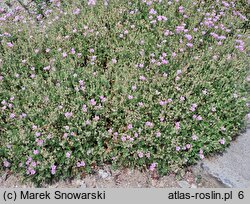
(122, 178)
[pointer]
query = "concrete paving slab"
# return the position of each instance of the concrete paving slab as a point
(232, 168)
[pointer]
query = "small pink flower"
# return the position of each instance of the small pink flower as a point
(6, 163)
(73, 51)
(166, 32)
(142, 78)
(35, 152)
(177, 125)
(110, 130)
(130, 97)
(65, 135)
(222, 141)
(193, 107)
(140, 104)
(49, 136)
(141, 65)
(103, 99)
(201, 156)
(68, 114)
(123, 138)
(39, 142)
(64, 54)
(162, 103)
(164, 61)
(170, 100)
(76, 11)
(152, 11)
(130, 126)
(46, 68)
(32, 171)
(84, 108)
(81, 82)
(190, 45)
(91, 2)
(80, 164)
(158, 134)
(96, 118)
(28, 160)
(182, 98)
(68, 154)
(9, 44)
(174, 54)
(134, 87)
(66, 127)
(177, 148)
(34, 127)
(33, 164)
(189, 37)
(140, 154)
(92, 102)
(152, 166)
(53, 169)
(194, 137)
(199, 118)
(147, 154)
(178, 72)
(149, 124)
(37, 134)
(12, 115)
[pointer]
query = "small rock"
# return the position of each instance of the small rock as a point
(154, 182)
(193, 185)
(80, 184)
(83, 185)
(183, 184)
(103, 174)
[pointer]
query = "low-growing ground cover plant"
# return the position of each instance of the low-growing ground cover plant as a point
(148, 84)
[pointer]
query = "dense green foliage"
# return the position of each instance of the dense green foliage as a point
(148, 84)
